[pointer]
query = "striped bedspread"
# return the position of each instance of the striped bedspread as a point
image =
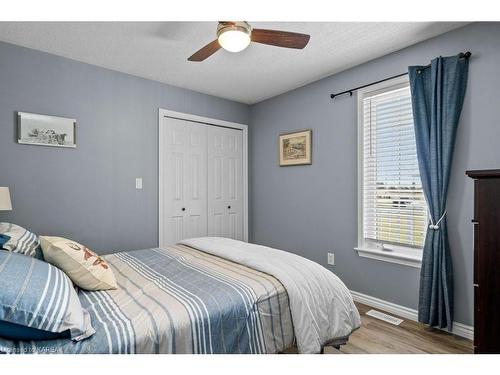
(180, 300)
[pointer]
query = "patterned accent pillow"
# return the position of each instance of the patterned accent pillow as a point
(38, 295)
(87, 269)
(3, 239)
(20, 240)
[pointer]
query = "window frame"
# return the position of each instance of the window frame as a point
(388, 252)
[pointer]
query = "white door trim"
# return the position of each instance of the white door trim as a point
(206, 121)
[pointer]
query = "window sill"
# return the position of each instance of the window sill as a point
(399, 256)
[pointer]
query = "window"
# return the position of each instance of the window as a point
(392, 208)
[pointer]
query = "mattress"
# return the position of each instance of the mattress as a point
(179, 300)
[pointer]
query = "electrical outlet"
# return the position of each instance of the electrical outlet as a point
(331, 259)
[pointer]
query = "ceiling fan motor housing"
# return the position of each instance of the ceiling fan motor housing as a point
(242, 26)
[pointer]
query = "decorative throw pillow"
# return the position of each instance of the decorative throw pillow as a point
(38, 301)
(20, 240)
(3, 239)
(11, 331)
(87, 270)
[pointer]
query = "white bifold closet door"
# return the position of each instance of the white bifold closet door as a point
(184, 185)
(201, 187)
(225, 183)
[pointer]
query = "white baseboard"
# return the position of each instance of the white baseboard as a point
(459, 329)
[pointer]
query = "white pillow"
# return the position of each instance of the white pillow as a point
(84, 267)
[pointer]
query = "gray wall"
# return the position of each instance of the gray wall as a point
(313, 209)
(88, 193)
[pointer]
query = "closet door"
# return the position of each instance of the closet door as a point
(183, 164)
(225, 182)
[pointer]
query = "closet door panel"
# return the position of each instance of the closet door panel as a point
(196, 178)
(184, 185)
(234, 184)
(173, 160)
(216, 214)
(225, 179)
(216, 225)
(176, 229)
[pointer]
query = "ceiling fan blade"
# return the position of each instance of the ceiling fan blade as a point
(280, 38)
(206, 51)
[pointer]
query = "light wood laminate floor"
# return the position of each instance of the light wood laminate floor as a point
(378, 337)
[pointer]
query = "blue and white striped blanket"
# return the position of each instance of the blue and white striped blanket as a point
(322, 307)
(180, 300)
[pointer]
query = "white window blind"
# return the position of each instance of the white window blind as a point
(394, 208)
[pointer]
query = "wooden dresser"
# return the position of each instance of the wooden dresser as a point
(486, 260)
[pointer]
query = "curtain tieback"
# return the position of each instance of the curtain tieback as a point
(436, 226)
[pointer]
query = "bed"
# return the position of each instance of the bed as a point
(190, 298)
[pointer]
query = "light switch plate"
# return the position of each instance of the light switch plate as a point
(331, 259)
(138, 183)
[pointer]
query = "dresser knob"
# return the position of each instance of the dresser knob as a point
(183, 208)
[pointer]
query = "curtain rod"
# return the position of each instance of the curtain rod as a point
(461, 55)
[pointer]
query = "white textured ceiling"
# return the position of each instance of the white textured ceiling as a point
(159, 51)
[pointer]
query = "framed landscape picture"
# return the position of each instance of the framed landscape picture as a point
(295, 148)
(42, 130)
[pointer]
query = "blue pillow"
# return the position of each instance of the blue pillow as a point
(11, 331)
(20, 240)
(35, 294)
(38, 253)
(3, 239)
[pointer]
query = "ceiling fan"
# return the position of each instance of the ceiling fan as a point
(236, 36)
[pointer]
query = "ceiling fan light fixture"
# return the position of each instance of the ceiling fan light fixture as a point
(234, 37)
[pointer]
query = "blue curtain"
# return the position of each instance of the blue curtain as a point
(437, 92)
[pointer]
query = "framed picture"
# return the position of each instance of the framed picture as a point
(295, 148)
(41, 130)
